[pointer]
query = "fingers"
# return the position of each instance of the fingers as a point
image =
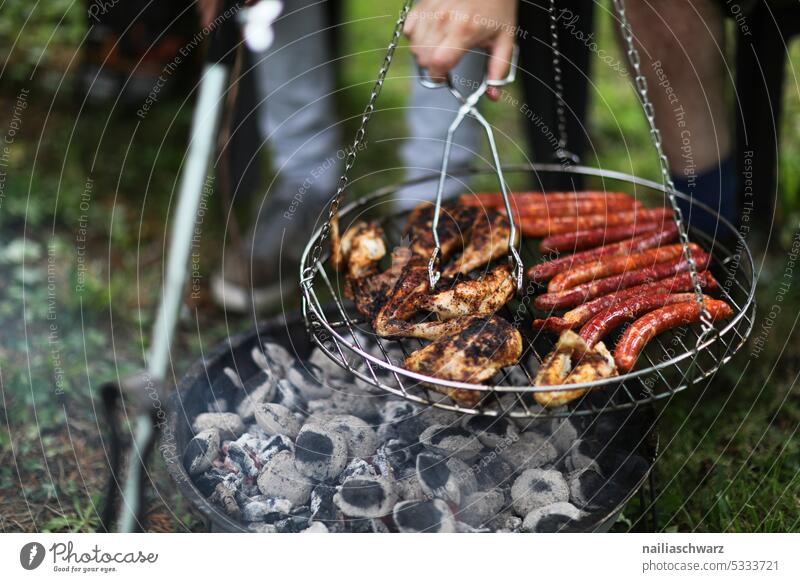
(499, 62)
(444, 58)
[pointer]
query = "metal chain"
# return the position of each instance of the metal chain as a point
(562, 152)
(333, 210)
(655, 134)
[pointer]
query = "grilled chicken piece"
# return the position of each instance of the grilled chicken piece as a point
(403, 302)
(572, 362)
(361, 249)
(481, 296)
(473, 354)
(371, 293)
(393, 318)
(454, 228)
(488, 240)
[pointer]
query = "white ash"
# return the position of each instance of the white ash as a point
(432, 516)
(551, 518)
(233, 376)
(462, 527)
(492, 431)
(334, 455)
(267, 446)
(309, 380)
(582, 455)
(331, 369)
(277, 419)
(260, 388)
(408, 486)
(320, 453)
(290, 397)
(493, 471)
(316, 527)
(241, 459)
(451, 441)
(280, 478)
(321, 416)
(361, 439)
(229, 425)
(536, 488)
(530, 451)
(366, 497)
(347, 400)
(276, 358)
(561, 433)
(201, 451)
(400, 419)
(445, 478)
(269, 509)
(507, 523)
(479, 509)
(398, 454)
(258, 527)
(358, 468)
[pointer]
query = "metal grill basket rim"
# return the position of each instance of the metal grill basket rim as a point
(312, 307)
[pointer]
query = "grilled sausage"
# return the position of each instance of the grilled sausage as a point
(641, 331)
(607, 266)
(583, 313)
(495, 199)
(528, 210)
(566, 224)
(583, 239)
(582, 293)
(610, 319)
(550, 269)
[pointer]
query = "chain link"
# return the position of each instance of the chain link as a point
(655, 134)
(350, 159)
(561, 119)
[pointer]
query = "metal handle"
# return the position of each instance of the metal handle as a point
(468, 108)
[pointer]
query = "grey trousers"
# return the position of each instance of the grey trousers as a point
(298, 121)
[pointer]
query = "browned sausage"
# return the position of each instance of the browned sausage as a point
(548, 270)
(547, 226)
(583, 239)
(641, 331)
(610, 319)
(582, 293)
(495, 199)
(528, 210)
(607, 266)
(583, 313)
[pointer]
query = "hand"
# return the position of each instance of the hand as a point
(441, 31)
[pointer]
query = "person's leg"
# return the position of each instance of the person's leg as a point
(681, 44)
(294, 81)
(576, 32)
(429, 114)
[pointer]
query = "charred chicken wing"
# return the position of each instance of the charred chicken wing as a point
(473, 354)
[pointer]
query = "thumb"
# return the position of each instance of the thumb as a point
(499, 63)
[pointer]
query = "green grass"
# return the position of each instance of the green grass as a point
(729, 457)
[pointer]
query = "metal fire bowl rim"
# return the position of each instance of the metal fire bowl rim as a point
(217, 520)
(314, 314)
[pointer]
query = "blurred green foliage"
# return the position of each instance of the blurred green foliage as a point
(39, 33)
